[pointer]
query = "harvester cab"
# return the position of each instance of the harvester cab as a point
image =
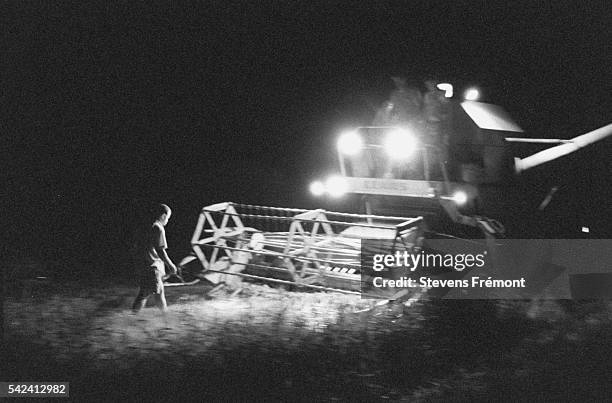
(459, 172)
(428, 168)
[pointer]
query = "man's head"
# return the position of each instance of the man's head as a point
(162, 214)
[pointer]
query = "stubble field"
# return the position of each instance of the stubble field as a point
(272, 344)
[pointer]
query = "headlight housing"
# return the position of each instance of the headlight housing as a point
(400, 144)
(350, 143)
(460, 197)
(317, 188)
(336, 186)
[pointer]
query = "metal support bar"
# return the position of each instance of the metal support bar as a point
(317, 287)
(306, 220)
(300, 258)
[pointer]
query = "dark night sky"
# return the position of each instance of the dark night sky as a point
(202, 102)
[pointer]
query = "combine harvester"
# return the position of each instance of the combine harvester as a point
(462, 184)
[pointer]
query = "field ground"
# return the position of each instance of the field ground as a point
(271, 344)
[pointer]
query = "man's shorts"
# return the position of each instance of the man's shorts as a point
(152, 279)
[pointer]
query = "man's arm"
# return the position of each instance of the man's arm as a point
(161, 251)
(160, 247)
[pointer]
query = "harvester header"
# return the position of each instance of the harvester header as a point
(305, 248)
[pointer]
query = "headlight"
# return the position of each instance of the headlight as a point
(317, 188)
(350, 143)
(472, 94)
(460, 197)
(400, 144)
(336, 186)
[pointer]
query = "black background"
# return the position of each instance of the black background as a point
(108, 106)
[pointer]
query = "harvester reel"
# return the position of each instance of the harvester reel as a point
(307, 248)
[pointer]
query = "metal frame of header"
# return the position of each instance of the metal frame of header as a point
(308, 248)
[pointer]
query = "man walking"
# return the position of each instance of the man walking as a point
(151, 274)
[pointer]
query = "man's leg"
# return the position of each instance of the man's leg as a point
(161, 300)
(140, 301)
